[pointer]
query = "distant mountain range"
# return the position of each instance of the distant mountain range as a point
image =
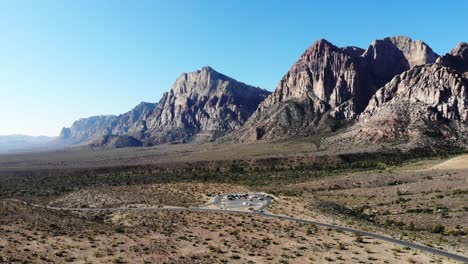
(18, 143)
(92, 130)
(397, 91)
(201, 106)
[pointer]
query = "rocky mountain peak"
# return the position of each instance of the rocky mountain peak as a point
(308, 76)
(323, 80)
(200, 82)
(392, 86)
(457, 59)
(460, 50)
(388, 57)
(440, 88)
(353, 51)
(328, 84)
(144, 105)
(133, 122)
(320, 46)
(207, 69)
(423, 106)
(86, 128)
(208, 72)
(323, 47)
(416, 52)
(203, 104)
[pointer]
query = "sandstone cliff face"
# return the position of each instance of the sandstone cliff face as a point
(329, 86)
(457, 59)
(202, 105)
(423, 106)
(391, 92)
(442, 89)
(324, 78)
(133, 123)
(87, 128)
(324, 74)
(389, 57)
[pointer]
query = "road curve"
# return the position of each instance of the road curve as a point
(427, 249)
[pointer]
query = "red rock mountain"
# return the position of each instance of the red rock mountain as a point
(457, 59)
(330, 86)
(412, 101)
(396, 91)
(424, 106)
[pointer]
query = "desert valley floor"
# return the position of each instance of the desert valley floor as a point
(421, 201)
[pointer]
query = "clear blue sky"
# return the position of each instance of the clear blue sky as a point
(65, 59)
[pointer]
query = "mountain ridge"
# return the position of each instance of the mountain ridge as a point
(201, 105)
(328, 89)
(330, 86)
(426, 106)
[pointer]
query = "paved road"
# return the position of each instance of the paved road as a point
(427, 249)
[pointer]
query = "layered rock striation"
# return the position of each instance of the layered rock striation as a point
(330, 86)
(202, 106)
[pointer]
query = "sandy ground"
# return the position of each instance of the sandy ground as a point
(162, 154)
(408, 204)
(32, 235)
(150, 195)
(420, 196)
(460, 162)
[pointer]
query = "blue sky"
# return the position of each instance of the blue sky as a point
(62, 60)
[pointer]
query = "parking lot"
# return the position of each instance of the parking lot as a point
(243, 201)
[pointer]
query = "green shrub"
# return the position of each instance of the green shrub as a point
(120, 229)
(438, 229)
